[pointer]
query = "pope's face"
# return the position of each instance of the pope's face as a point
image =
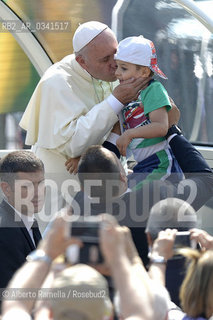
(98, 59)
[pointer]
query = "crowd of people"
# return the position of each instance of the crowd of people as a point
(101, 103)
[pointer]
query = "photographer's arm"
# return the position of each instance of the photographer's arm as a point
(32, 274)
(162, 247)
(135, 288)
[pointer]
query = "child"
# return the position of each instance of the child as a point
(145, 121)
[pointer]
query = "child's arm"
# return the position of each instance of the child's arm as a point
(157, 128)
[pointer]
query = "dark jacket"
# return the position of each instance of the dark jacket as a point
(15, 243)
(132, 209)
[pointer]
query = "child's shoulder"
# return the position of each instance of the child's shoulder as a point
(154, 86)
(155, 83)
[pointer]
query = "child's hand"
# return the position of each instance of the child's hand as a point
(72, 165)
(116, 128)
(123, 141)
(173, 114)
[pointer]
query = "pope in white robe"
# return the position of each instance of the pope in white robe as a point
(67, 113)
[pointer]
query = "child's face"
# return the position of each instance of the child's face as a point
(126, 70)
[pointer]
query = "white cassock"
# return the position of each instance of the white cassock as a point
(67, 113)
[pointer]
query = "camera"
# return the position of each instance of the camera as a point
(87, 230)
(183, 240)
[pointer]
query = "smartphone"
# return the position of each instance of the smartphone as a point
(87, 229)
(183, 240)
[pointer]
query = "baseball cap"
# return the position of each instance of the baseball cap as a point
(86, 294)
(86, 32)
(141, 51)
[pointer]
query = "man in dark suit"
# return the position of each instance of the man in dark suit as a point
(104, 187)
(22, 183)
